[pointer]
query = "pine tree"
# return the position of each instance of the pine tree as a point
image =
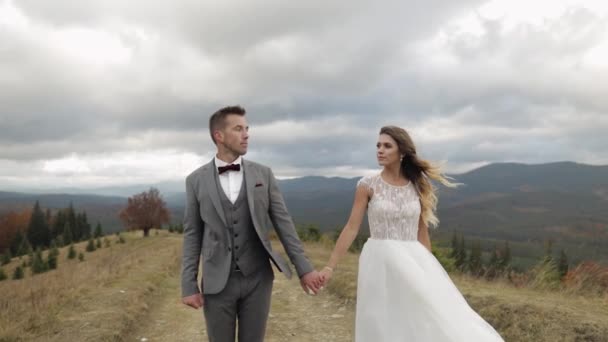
(30, 257)
(2, 274)
(58, 224)
(562, 266)
(98, 231)
(68, 236)
(461, 256)
(494, 258)
(505, 257)
(90, 246)
(454, 245)
(49, 219)
(106, 242)
(26, 248)
(78, 228)
(59, 241)
(71, 252)
(71, 221)
(86, 227)
(18, 273)
(17, 244)
(98, 243)
(52, 257)
(475, 262)
(38, 232)
(38, 264)
(81, 256)
(6, 257)
(548, 252)
(493, 265)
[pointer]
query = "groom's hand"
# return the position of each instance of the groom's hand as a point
(195, 301)
(311, 282)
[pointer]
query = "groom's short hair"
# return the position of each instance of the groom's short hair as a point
(218, 119)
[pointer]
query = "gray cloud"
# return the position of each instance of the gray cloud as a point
(318, 80)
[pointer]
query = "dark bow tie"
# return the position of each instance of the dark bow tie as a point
(229, 167)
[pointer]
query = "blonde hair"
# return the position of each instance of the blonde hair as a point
(419, 172)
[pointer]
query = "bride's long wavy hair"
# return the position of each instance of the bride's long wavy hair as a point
(420, 172)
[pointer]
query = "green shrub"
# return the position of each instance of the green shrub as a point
(90, 246)
(18, 273)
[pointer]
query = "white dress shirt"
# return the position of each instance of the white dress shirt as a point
(231, 181)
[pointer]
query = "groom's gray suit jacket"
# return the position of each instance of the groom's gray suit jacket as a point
(207, 234)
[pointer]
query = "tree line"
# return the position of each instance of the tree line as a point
(31, 231)
(38, 228)
(470, 259)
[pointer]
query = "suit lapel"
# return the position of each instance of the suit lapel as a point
(250, 174)
(210, 175)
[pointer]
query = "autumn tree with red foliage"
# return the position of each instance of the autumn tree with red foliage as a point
(145, 211)
(10, 224)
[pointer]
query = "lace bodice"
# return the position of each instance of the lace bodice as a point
(393, 211)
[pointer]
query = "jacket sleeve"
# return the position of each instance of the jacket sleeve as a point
(285, 228)
(193, 239)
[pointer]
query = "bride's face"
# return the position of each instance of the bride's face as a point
(387, 151)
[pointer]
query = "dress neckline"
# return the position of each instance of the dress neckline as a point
(392, 185)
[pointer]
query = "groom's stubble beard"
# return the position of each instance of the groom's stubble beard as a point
(234, 150)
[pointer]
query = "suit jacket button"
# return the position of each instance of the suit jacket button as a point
(229, 249)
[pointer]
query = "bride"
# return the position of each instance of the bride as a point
(403, 292)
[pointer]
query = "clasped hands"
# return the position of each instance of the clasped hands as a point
(314, 281)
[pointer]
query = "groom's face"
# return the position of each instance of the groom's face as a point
(235, 135)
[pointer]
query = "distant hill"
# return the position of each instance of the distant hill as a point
(525, 204)
(512, 178)
(565, 202)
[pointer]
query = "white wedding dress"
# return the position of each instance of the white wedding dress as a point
(403, 293)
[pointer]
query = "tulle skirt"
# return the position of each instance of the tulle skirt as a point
(405, 295)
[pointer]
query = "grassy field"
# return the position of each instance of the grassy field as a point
(98, 299)
(117, 289)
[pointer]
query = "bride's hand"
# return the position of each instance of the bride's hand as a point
(325, 274)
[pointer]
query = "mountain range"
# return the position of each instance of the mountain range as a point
(527, 205)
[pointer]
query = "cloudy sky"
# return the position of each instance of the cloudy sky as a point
(114, 92)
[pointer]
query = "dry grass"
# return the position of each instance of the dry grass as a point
(98, 299)
(114, 290)
(519, 314)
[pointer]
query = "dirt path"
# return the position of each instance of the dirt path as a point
(294, 316)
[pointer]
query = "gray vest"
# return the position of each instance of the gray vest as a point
(248, 253)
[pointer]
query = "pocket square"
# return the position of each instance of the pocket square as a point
(258, 185)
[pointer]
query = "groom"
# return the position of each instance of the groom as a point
(230, 204)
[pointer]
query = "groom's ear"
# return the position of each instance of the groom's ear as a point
(218, 136)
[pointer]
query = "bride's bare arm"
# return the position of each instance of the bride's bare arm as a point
(423, 234)
(350, 230)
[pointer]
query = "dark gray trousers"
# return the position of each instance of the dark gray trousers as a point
(246, 299)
